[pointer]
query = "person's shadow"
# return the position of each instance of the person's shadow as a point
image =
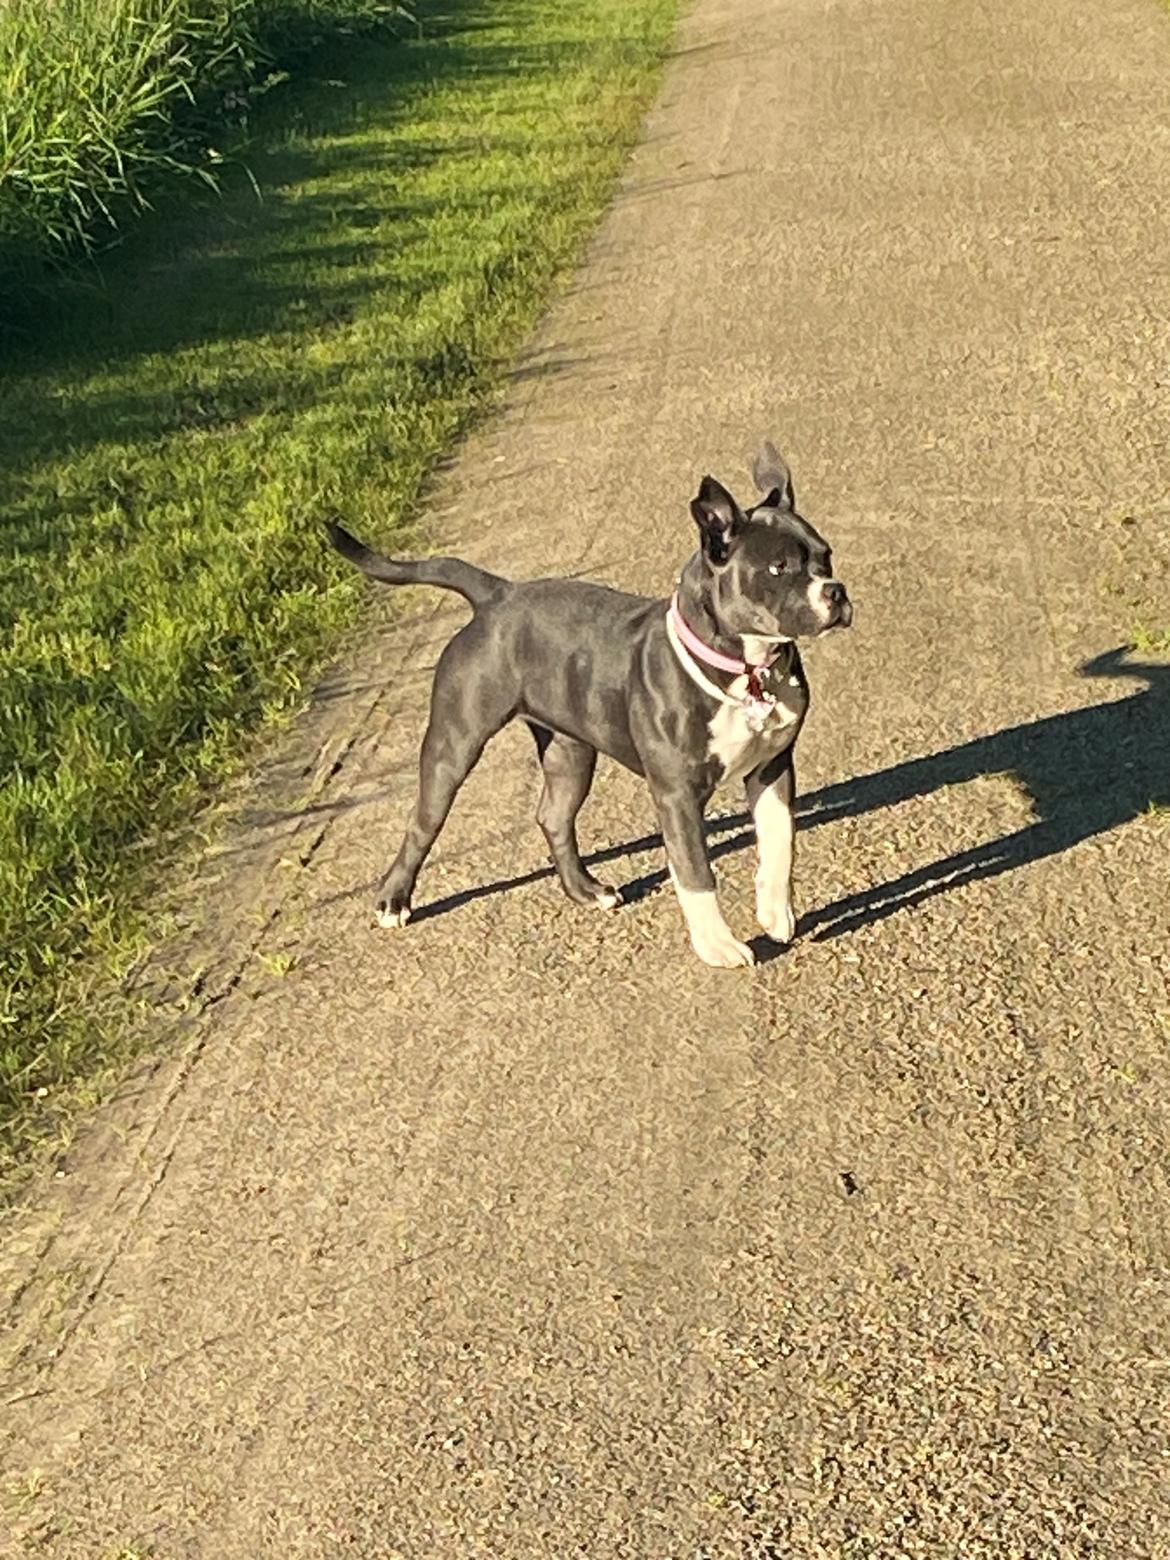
(1086, 771)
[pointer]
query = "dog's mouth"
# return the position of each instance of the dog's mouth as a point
(829, 610)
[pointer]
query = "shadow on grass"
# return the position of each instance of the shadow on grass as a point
(1087, 771)
(292, 245)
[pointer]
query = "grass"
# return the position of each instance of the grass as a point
(183, 417)
(100, 100)
(1150, 640)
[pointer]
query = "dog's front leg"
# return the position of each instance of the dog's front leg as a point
(681, 815)
(771, 790)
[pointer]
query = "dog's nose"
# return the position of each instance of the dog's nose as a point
(835, 592)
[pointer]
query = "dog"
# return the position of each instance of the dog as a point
(692, 693)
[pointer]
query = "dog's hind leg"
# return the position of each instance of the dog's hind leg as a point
(468, 706)
(568, 767)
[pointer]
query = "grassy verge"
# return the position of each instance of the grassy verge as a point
(181, 422)
(101, 99)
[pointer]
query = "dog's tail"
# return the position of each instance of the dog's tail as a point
(474, 585)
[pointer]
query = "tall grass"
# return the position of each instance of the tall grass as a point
(101, 99)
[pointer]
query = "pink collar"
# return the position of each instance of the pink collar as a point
(712, 657)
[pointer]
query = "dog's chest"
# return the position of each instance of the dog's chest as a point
(740, 745)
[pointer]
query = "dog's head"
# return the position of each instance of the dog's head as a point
(770, 574)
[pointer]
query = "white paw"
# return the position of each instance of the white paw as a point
(609, 899)
(390, 919)
(774, 913)
(717, 947)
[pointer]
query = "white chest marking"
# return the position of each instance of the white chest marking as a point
(737, 746)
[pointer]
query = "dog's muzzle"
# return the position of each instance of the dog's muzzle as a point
(831, 603)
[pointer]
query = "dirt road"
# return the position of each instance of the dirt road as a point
(519, 1233)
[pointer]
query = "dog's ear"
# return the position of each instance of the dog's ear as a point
(773, 477)
(718, 518)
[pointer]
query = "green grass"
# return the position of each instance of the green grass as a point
(184, 417)
(102, 100)
(1150, 640)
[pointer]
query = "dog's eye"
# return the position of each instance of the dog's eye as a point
(775, 568)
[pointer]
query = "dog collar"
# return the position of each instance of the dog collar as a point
(716, 658)
(758, 706)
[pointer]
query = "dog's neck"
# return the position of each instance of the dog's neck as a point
(697, 608)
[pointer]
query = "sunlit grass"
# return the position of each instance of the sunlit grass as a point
(101, 100)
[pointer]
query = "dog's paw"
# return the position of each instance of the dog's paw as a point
(774, 913)
(391, 918)
(717, 947)
(587, 891)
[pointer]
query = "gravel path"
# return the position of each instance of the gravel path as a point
(520, 1233)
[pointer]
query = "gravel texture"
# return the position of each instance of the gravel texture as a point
(519, 1233)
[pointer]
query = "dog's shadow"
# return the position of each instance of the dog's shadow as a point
(1086, 771)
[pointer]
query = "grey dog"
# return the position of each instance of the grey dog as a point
(691, 693)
